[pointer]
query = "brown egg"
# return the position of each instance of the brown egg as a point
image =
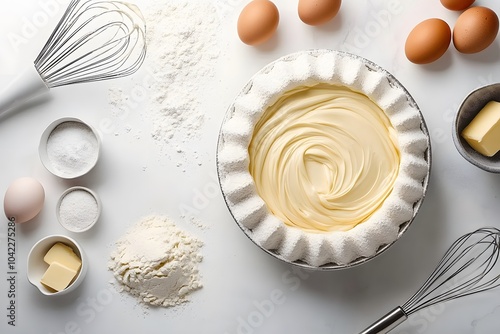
(317, 12)
(475, 30)
(428, 41)
(258, 22)
(457, 4)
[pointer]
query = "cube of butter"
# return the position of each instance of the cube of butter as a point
(483, 132)
(63, 254)
(58, 276)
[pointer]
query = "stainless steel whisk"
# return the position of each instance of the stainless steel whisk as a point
(93, 41)
(469, 266)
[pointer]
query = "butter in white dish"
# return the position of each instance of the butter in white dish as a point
(64, 265)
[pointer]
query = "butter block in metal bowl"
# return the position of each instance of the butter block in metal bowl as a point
(470, 107)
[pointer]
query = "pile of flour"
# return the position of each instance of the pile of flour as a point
(157, 262)
(182, 53)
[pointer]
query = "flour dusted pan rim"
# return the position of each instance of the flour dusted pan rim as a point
(334, 250)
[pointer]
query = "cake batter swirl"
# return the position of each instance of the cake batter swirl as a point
(324, 158)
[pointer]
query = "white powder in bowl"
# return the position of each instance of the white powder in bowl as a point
(78, 209)
(72, 149)
(157, 262)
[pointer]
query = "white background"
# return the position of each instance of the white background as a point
(134, 178)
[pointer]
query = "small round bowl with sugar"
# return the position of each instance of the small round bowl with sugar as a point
(468, 110)
(78, 209)
(69, 148)
(37, 266)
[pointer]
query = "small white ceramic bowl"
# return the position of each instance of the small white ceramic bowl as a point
(470, 107)
(75, 206)
(37, 266)
(44, 155)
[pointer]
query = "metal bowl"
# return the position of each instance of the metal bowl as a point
(393, 82)
(469, 108)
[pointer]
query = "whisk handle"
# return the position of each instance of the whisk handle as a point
(387, 323)
(25, 86)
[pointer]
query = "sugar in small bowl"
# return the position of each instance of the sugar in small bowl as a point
(78, 209)
(69, 148)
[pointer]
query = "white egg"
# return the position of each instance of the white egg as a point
(23, 199)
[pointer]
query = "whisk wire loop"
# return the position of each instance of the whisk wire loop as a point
(93, 41)
(91, 66)
(466, 268)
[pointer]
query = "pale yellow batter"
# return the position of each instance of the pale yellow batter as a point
(324, 158)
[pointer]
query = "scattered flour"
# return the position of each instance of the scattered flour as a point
(197, 222)
(181, 58)
(157, 262)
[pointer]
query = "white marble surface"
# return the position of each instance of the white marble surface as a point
(242, 283)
